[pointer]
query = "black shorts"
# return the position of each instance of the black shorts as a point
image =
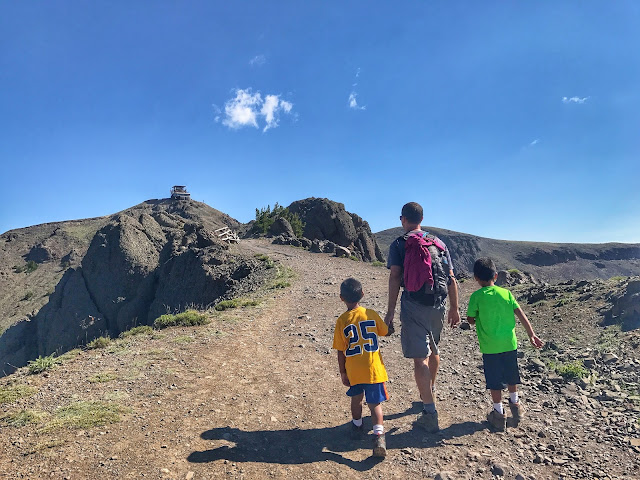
(501, 369)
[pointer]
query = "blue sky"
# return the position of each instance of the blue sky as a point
(512, 120)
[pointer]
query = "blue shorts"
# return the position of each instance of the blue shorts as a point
(373, 392)
(501, 369)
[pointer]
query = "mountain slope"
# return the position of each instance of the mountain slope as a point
(551, 262)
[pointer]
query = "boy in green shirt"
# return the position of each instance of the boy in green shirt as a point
(492, 310)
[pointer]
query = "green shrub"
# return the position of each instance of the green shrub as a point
(376, 263)
(265, 258)
(573, 369)
(617, 278)
(31, 266)
(100, 342)
(354, 258)
(227, 304)
(141, 330)
(513, 271)
(42, 364)
(189, 318)
(27, 296)
(11, 393)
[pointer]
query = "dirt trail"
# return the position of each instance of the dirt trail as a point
(257, 395)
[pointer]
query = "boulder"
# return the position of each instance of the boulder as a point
(342, 251)
(281, 226)
(328, 220)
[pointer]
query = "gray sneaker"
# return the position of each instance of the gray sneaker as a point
(497, 420)
(379, 446)
(517, 412)
(428, 421)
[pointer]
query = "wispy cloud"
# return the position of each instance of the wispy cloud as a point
(258, 61)
(353, 101)
(535, 142)
(246, 108)
(574, 99)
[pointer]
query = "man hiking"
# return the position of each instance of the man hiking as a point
(421, 264)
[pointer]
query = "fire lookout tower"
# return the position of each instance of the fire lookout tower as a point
(179, 192)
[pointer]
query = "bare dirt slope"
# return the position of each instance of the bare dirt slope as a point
(256, 394)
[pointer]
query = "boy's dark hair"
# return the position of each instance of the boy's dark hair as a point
(484, 269)
(412, 211)
(351, 290)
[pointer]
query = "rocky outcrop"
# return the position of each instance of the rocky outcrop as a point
(328, 220)
(140, 265)
(625, 306)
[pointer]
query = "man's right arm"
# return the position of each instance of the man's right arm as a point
(395, 280)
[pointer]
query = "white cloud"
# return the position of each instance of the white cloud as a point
(358, 72)
(535, 142)
(353, 102)
(258, 60)
(574, 99)
(246, 108)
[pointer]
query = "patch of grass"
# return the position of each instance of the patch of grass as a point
(513, 271)
(100, 342)
(354, 258)
(31, 266)
(141, 330)
(227, 304)
(27, 296)
(11, 393)
(377, 263)
(68, 356)
(573, 369)
(53, 443)
(608, 341)
(250, 303)
(266, 259)
(617, 278)
(86, 415)
(183, 339)
(23, 417)
(190, 318)
(562, 302)
(42, 364)
(103, 377)
(283, 278)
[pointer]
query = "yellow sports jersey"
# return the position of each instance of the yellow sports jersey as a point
(356, 335)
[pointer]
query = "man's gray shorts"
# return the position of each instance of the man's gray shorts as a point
(421, 328)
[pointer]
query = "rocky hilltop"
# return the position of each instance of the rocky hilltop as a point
(157, 257)
(326, 220)
(552, 262)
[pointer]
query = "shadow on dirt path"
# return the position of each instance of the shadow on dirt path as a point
(299, 446)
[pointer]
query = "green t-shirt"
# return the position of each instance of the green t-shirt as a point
(493, 307)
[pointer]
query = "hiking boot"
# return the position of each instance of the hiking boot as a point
(356, 432)
(379, 446)
(517, 412)
(497, 420)
(428, 421)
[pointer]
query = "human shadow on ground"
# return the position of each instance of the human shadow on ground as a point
(297, 446)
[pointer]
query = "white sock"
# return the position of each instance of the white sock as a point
(498, 407)
(513, 396)
(378, 429)
(357, 423)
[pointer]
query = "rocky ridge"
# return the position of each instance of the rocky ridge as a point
(157, 257)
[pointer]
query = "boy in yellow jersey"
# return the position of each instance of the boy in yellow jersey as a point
(493, 310)
(360, 363)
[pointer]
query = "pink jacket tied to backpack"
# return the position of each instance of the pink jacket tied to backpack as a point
(417, 261)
